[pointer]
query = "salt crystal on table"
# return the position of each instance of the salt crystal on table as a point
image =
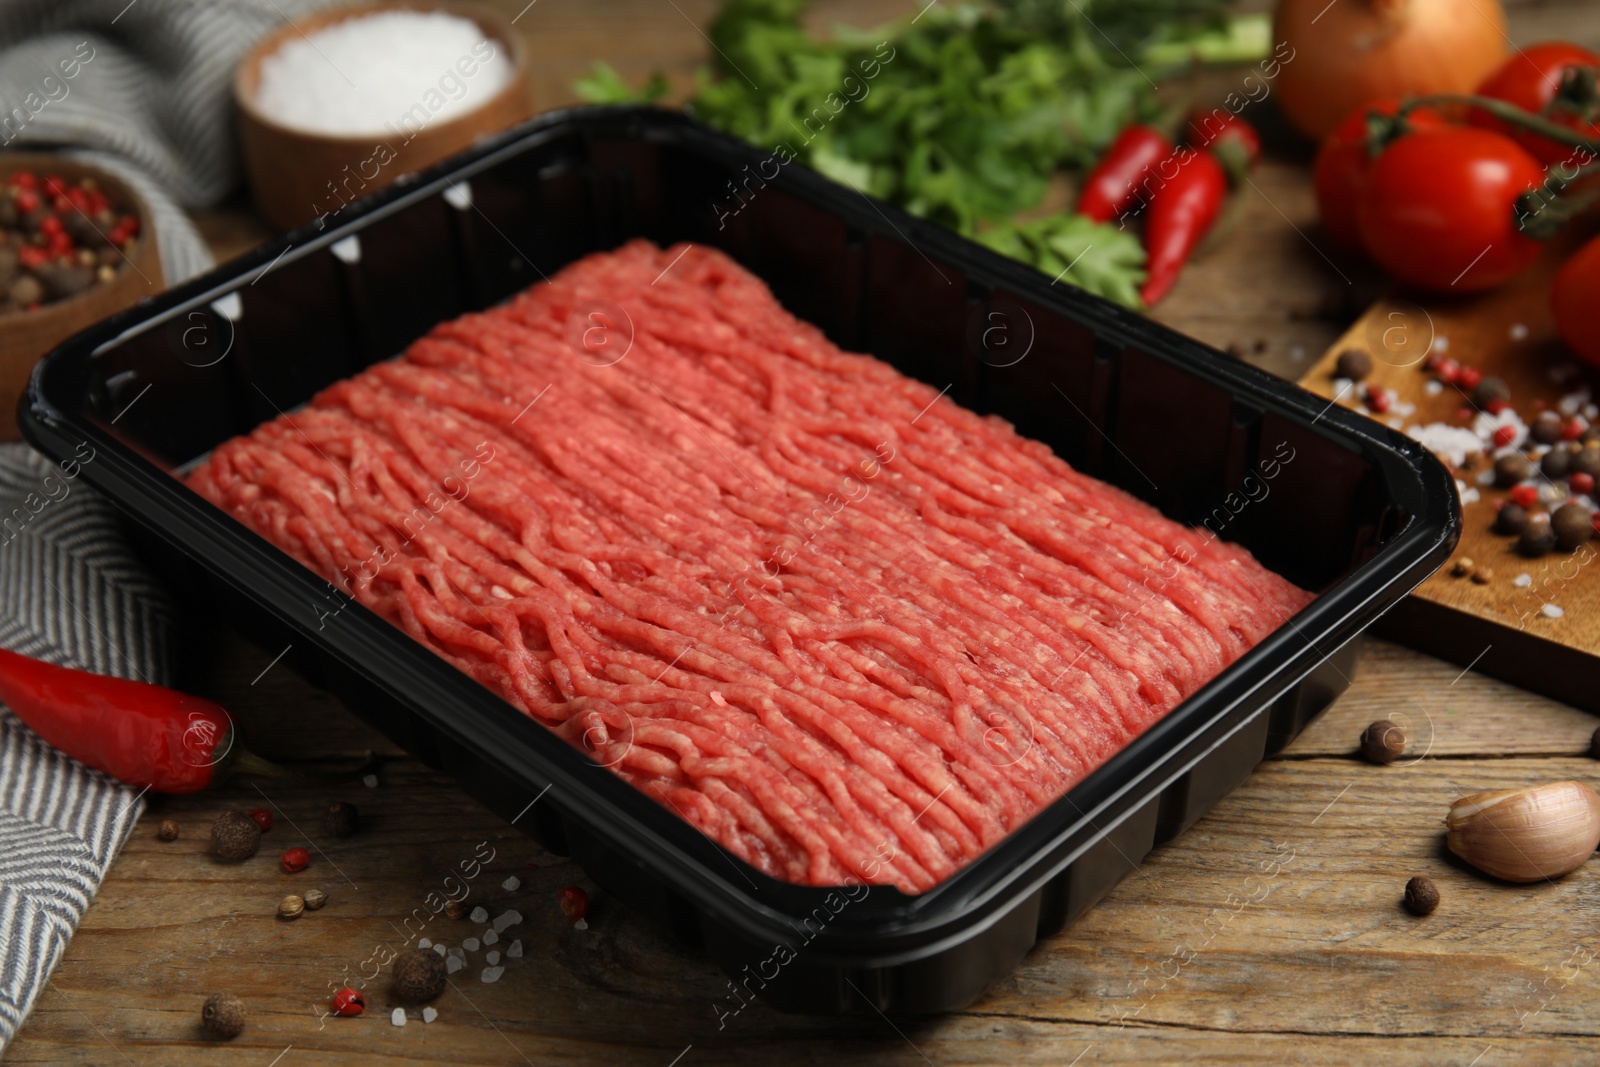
(470, 944)
(1522, 581)
(492, 958)
(479, 914)
(439, 949)
(1433, 388)
(512, 884)
(581, 924)
(424, 943)
(492, 974)
(458, 953)
(1441, 344)
(452, 964)
(429, 1014)
(1550, 611)
(509, 918)
(515, 951)
(398, 1017)
(490, 937)
(370, 781)
(395, 71)
(1518, 332)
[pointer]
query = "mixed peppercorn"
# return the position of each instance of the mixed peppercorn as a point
(57, 238)
(1548, 473)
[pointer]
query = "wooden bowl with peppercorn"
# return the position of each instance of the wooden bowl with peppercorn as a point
(75, 246)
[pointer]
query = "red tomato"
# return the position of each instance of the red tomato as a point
(1342, 166)
(1530, 78)
(1440, 209)
(1576, 302)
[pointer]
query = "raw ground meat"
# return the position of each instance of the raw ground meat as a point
(845, 627)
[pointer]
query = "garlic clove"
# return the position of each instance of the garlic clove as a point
(1526, 835)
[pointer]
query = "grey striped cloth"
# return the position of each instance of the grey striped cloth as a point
(142, 88)
(72, 593)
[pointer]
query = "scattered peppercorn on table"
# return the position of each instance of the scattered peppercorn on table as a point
(1273, 932)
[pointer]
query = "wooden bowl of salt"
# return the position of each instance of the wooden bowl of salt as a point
(337, 105)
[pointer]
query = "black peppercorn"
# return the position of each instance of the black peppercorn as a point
(1353, 363)
(1587, 461)
(1511, 468)
(1572, 525)
(1510, 519)
(454, 909)
(235, 836)
(1537, 537)
(223, 1015)
(168, 830)
(419, 975)
(1489, 390)
(1383, 741)
(1422, 896)
(1557, 462)
(1546, 428)
(341, 819)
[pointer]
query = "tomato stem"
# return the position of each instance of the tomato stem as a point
(1509, 113)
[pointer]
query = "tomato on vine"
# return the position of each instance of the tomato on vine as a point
(1343, 163)
(1443, 209)
(1575, 299)
(1555, 80)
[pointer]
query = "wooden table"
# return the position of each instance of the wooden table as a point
(1185, 961)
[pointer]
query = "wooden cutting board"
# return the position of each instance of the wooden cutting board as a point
(1500, 627)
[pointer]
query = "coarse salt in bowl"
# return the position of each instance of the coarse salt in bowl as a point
(389, 72)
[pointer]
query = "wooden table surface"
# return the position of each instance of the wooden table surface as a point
(1185, 961)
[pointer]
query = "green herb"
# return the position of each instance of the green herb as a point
(1104, 259)
(963, 114)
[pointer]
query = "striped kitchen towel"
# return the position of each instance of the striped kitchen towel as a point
(142, 88)
(71, 592)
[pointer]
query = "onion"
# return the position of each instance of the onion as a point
(1349, 52)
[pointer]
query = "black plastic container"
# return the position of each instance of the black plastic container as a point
(1352, 510)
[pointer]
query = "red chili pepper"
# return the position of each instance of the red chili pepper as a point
(1181, 211)
(348, 1002)
(145, 735)
(27, 201)
(1581, 483)
(1112, 186)
(1469, 378)
(1573, 429)
(1504, 436)
(574, 903)
(296, 859)
(1524, 496)
(262, 818)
